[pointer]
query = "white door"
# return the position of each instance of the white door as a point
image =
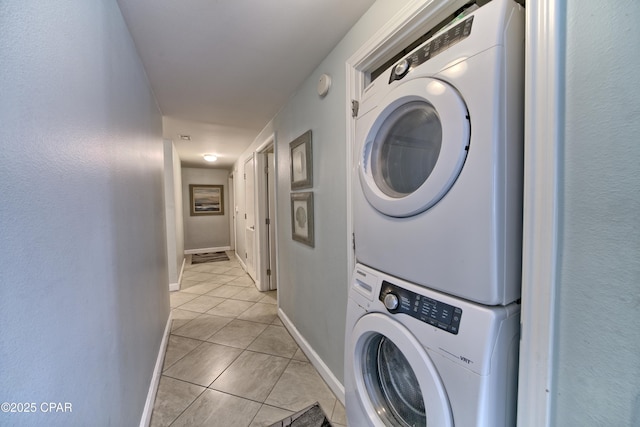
(413, 147)
(250, 221)
(396, 381)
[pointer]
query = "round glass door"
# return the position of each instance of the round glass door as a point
(396, 381)
(406, 148)
(414, 145)
(392, 384)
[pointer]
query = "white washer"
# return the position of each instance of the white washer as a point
(433, 360)
(440, 160)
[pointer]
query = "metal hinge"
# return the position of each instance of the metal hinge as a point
(267, 221)
(355, 106)
(353, 241)
(245, 176)
(266, 170)
(268, 272)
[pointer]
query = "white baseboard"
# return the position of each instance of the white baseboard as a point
(204, 250)
(256, 282)
(336, 386)
(176, 286)
(184, 262)
(155, 379)
(242, 264)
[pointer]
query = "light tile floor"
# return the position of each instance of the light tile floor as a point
(229, 361)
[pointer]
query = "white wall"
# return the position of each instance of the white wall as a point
(598, 330)
(83, 294)
(239, 205)
(173, 209)
(208, 231)
(313, 282)
(179, 213)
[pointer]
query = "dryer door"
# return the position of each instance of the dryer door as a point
(396, 381)
(413, 146)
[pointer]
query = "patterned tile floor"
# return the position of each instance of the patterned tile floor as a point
(229, 361)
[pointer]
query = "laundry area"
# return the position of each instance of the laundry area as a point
(433, 317)
(421, 213)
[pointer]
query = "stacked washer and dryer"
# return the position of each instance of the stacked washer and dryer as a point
(432, 331)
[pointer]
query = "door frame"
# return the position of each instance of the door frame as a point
(544, 126)
(250, 267)
(261, 215)
(232, 211)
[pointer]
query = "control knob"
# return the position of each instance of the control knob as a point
(391, 301)
(401, 68)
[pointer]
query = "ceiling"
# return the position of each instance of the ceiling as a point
(221, 69)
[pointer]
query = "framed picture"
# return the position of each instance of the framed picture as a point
(302, 217)
(206, 199)
(301, 162)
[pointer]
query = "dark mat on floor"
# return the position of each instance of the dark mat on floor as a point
(209, 257)
(309, 417)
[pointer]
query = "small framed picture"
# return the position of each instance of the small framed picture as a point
(206, 199)
(301, 162)
(302, 217)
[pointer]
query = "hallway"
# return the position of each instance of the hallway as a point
(229, 360)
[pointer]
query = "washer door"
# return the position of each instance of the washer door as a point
(396, 381)
(414, 149)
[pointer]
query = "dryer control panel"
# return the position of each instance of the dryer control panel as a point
(425, 309)
(432, 48)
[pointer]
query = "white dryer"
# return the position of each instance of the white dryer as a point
(440, 160)
(415, 357)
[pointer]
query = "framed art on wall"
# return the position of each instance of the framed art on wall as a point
(206, 199)
(301, 162)
(302, 217)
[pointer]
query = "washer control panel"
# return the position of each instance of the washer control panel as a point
(425, 309)
(432, 48)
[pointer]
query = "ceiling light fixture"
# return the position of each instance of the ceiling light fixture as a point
(210, 157)
(185, 137)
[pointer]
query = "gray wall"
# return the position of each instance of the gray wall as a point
(210, 231)
(598, 330)
(313, 282)
(83, 276)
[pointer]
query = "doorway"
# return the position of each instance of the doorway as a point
(266, 214)
(232, 211)
(249, 216)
